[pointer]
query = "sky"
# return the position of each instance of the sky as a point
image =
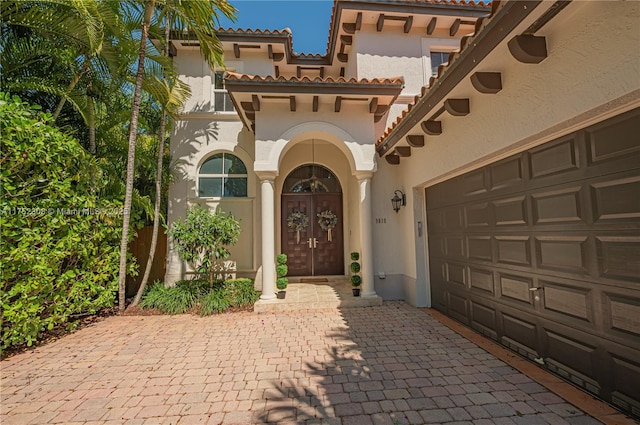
(307, 19)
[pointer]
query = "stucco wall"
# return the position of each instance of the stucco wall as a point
(390, 54)
(193, 141)
(351, 130)
(591, 72)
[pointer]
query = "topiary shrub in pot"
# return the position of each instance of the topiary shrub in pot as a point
(281, 272)
(356, 279)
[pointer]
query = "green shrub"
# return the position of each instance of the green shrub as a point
(355, 267)
(202, 239)
(189, 295)
(282, 270)
(240, 292)
(281, 259)
(175, 300)
(215, 301)
(355, 256)
(59, 240)
(356, 280)
(282, 283)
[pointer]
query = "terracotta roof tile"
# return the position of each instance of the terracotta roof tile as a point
(233, 76)
(286, 31)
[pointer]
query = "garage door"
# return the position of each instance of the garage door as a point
(541, 252)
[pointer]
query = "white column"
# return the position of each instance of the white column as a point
(366, 236)
(268, 237)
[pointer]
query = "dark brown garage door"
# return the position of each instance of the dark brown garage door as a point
(541, 252)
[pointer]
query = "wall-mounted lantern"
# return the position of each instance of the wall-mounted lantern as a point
(398, 200)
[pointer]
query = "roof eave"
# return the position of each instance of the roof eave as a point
(505, 20)
(462, 10)
(311, 87)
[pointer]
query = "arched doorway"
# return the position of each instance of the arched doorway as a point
(312, 234)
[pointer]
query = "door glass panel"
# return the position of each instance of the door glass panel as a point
(313, 179)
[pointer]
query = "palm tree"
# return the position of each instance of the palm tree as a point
(201, 19)
(59, 50)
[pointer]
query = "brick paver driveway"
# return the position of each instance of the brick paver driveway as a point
(379, 365)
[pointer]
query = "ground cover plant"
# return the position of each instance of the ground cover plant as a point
(200, 297)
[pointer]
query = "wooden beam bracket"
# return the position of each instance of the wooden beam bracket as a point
(403, 151)
(528, 48)
(457, 107)
(432, 25)
(432, 128)
(415, 140)
(351, 28)
(487, 82)
(454, 27)
(393, 159)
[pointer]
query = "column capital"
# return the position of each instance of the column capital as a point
(363, 175)
(266, 174)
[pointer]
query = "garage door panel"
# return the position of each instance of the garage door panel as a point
(616, 199)
(519, 335)
(478, 215)
(574, 360)
(514, 250)
(454, 246)
(619, 257)
(615, 139)
(459, 307)
(558, 206)
(483, 319)
(475, 183)
(514, 288)
(507, 173)
(510, 211)
(626, 391)
(622, 316)
(562, 253)
(480, 248)
(551, 159)
(572, 302)
(456, 274)
(481, 280)
(541, 252)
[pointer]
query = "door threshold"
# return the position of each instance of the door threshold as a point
(313, 279)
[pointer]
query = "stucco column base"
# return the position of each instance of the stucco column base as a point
(267, 186)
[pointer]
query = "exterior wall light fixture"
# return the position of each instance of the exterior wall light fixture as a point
(398, 200)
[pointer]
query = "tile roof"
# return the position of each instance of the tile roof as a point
(442, 69)
(394, 81)
(257, 31)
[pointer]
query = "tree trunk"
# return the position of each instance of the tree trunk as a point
(156, 212)
(91, 118)
(131, 155)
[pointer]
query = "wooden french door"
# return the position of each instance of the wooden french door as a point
(313, 252)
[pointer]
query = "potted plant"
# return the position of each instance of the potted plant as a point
(356, 279)
(281, 272)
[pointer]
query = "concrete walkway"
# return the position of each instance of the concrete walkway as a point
(391, 364)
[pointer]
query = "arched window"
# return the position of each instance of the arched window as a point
(222, 176)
